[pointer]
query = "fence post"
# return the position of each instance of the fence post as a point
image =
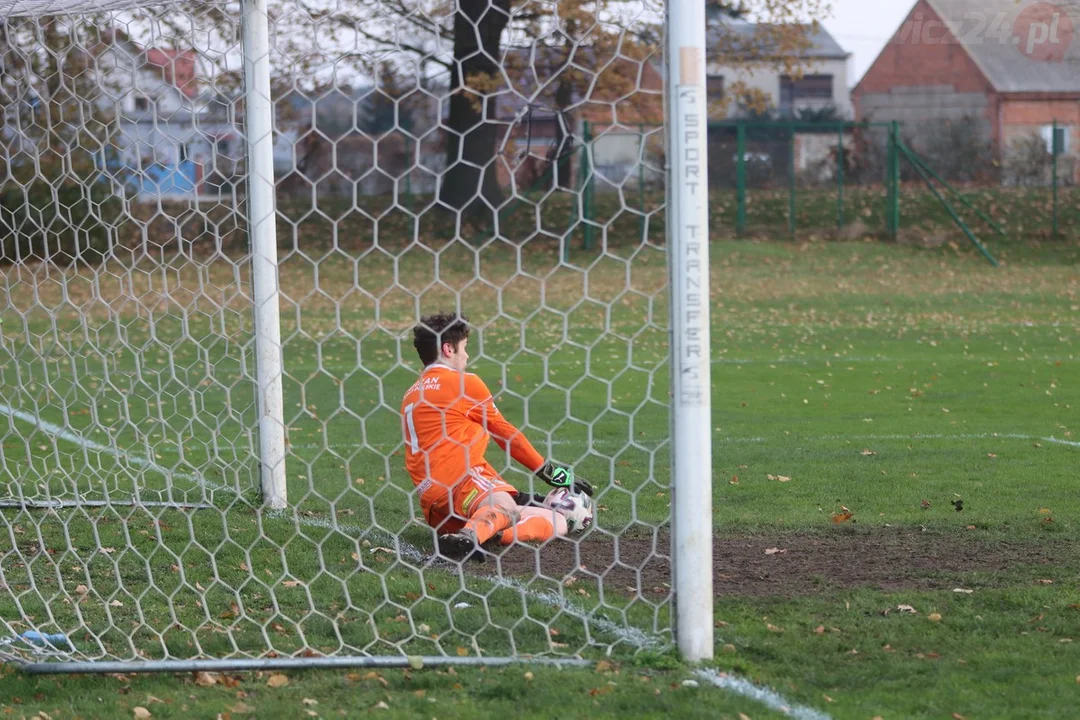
(1055, 149)
(641, 180)
(587, 187)
(259, 129)
(740, 178)
(791, 181)
(892, 194)
(840, 177)
(688, 263)
(409, 165)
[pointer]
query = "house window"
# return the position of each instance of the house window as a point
(809, 87)
(715, 87)
(1064, 139)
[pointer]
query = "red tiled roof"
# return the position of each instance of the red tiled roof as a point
(178, 67)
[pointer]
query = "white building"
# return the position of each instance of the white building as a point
(170, 137)
(825, 65)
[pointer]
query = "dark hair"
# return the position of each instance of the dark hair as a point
(434, 330)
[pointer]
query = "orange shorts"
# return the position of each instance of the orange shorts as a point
(446, 508)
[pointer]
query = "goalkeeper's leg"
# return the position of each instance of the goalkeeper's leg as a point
(535, 525)
(487, 505)
(493, 516)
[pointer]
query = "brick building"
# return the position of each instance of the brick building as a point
(1010, 68)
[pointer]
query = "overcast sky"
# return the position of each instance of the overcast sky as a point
(863, 27)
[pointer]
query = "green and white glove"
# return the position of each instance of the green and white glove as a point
(562, 476)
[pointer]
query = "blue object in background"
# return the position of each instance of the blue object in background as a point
(38, 638)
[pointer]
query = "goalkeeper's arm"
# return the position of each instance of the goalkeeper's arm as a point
(553, 473)
(508, 436)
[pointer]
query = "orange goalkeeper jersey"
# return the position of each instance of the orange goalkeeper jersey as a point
(448, 417)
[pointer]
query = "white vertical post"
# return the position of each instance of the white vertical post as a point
(688, 262)
(259, 126)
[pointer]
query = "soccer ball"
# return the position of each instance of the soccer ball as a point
(577, 508)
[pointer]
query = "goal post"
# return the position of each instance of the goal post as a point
(207, 290)
(691, 396)
(259, 126)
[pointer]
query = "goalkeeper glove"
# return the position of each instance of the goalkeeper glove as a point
(562, 476)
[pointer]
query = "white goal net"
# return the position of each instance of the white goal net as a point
(219, 224)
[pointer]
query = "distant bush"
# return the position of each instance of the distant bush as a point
(54, 207)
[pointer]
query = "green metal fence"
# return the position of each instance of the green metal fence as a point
(797, 179)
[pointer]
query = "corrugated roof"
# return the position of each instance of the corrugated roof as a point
(822, 45)
(1018, 49)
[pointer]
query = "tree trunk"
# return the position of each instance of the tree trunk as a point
(470, 183)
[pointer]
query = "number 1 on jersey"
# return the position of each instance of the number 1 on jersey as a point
(410, 428)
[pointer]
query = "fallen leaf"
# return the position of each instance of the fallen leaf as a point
(278, 680)
(907, 609)
(1046, 581)
(603, 666)
(963, 590)
(934, 617)
(734, 480)
(744, 716)
(867, 452)
(780, 478)
(81, 589)
(291, 583)
(820, 630)
(206, 679)
(842, 517)
(775, 551)
(141, 713)
(925, 504)
(958, 716)
(773, 628)
(241, 708)
(309, 701)
(150, 700)
(381, 706)
(827, 698)
(462, 652)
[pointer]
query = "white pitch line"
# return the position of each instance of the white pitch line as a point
(72, 437)
(739, 440)
(766, 696)
(934, 436)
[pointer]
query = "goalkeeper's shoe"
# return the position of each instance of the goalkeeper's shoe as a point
(460, 546)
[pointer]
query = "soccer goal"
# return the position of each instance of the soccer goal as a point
(220, 223)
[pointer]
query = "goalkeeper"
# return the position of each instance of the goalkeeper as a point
(448, 419)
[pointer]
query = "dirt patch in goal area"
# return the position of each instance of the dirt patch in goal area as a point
(778, 565)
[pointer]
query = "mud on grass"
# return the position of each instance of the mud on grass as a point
(783, 564)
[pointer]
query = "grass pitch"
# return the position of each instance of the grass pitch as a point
(859, 390)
